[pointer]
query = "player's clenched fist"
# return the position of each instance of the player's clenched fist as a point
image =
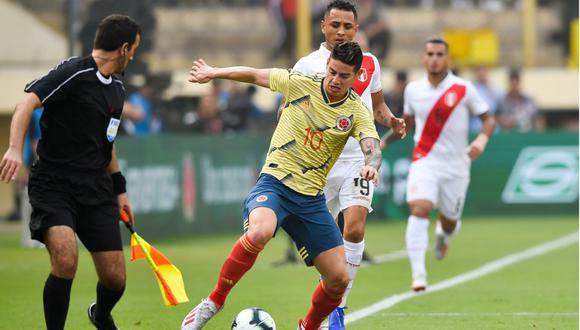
(370, 173)
(399, 127)
(10, 165)
(200, 72)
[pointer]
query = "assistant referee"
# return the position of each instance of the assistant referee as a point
(76, 186)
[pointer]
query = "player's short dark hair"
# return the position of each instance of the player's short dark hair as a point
(438, 40)
(348, 52)
(341, 5)
(115, 30)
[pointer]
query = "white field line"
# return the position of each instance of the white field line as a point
(391, 256)
(514, 314)
(484, 270)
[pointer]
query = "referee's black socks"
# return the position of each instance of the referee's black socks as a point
(106, 300)
(56, 297)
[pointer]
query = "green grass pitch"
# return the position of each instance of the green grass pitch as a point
(539, 293)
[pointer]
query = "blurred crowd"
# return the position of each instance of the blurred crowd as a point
(490, 4)
(233, 108)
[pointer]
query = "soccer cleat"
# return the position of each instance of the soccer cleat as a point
(441, 246)
(107, 324)
(199, 316)
(301, 326)
(366, 259)
(419, 283)
(336, 319)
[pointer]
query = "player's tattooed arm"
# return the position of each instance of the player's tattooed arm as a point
(391, 137)
(372, 152)
(383, 115)
(373, 159)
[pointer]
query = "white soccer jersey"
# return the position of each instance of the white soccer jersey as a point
(368, 83)
(442, 121)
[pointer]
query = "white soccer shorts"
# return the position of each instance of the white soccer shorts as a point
(447, 192)
(345, 188)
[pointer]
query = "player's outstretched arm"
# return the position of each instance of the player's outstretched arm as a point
(391, 137)
(383, 115)
(202, 73)
(476, 147)
(12, 160)
(373, 159)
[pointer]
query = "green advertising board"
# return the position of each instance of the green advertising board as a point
(189, 184)
(518, 173)
(184, 184)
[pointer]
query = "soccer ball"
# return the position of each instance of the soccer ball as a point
(253, 319)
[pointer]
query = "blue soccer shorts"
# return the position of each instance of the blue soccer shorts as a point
(305, 218)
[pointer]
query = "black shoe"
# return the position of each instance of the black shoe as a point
(367, 259)
(107, 324)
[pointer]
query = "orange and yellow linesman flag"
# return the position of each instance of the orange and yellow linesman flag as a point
(168, 276)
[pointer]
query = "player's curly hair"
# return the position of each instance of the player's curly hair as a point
(341, 5)
(348, 52)
(115, 30)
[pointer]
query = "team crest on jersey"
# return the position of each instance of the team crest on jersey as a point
(364, 76)
(343, 123)
(450, 99)
(261, 198)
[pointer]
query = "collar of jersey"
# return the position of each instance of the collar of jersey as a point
(327, 101)
(102, 79)
(323, 50)
(443, 82)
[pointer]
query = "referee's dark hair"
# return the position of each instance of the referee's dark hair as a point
(348, 52)
(341, 5)
(115, 30)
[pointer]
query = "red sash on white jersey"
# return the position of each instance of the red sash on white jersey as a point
(368, 67)
(437, 118)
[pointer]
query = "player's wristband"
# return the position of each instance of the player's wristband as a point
(119, 183)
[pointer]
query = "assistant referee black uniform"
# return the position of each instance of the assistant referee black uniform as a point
(69, 184)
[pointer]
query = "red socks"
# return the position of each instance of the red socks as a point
(323, 304)
(240, 260)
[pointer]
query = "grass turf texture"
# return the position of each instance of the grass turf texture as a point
(540, 293)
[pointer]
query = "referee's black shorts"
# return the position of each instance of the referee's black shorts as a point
(83, 201)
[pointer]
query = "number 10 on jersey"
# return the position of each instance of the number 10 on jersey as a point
(313, 137)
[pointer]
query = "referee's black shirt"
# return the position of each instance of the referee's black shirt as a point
(82, 109)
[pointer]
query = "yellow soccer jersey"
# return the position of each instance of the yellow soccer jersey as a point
(312, 131)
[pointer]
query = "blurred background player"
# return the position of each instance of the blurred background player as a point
(395, 98)
(439, 107)
(76, 186)
(517, 111)
(322, 113)
(490, 94)
(345, 190)
(138, 113)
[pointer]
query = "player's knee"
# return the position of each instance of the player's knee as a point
(355, 233)
(337, 283)
(420, 211)
(259, 237)
(64, 265)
